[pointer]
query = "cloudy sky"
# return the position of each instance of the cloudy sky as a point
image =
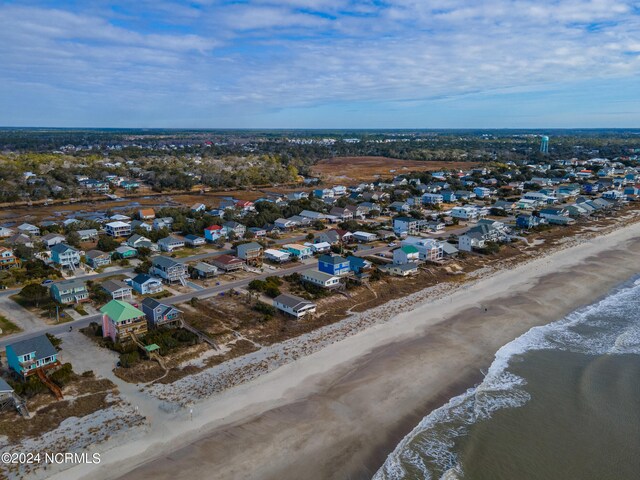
(320, 63)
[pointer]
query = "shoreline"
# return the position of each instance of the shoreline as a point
(313, 411)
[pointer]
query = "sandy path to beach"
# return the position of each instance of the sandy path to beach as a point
(338, 412)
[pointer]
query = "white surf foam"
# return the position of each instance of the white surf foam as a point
(611, 326)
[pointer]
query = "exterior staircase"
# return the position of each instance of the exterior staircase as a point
(151, 355)
(21, 405)
(50, 385)
(201, 336)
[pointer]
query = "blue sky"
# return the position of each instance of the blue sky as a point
(320, 63)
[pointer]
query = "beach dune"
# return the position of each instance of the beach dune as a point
(338, 413)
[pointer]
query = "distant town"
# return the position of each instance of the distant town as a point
(146, 258)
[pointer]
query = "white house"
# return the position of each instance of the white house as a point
(464, 213)
(170, 243)
(118, 229)
(364, 237)
(296, 306)
(320, 279)
(279, 256)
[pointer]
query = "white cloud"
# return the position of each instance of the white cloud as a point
(266, 54)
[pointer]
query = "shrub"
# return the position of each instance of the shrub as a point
(63, 375)
(128, 360)
(264, 308)
(272, 291)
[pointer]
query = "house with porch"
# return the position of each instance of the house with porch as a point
(250, 252)
(320, 279)
(118, 229)
(118, 289)
(65, 256)
(204, 270)
(8, 259)
(145, 284)
(120, 320)
(406, 254)
(293, 305)
(67, 292)
(27, 356)
(159, 314)
(227, 263)
(299, 251)
(194, 241)
(168, 269)
(213, 233)
(97, 258)
(170, 243)
(333, 265)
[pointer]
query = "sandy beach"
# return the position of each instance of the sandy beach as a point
(338, 412)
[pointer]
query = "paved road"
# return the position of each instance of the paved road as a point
(176, 299)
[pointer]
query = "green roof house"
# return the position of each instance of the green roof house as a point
(121, 319)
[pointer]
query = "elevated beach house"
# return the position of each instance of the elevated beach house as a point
(168, 269)
(146, 284)
(292, 305)
(97, 258)
(159, 314)
(121, 320)
(67, 292)
(26, 356)
(65, 256)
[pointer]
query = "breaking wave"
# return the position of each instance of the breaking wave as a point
(611, 326)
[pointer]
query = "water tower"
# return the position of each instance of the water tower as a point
(544, 144)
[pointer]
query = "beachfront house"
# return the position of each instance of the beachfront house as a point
(293, 305)
(405, 254)
(159, 314)
(400, 270)
(333, 265)
(121, 321)
(320, 279)
(26, 356)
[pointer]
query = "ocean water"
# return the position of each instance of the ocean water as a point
(560, 402)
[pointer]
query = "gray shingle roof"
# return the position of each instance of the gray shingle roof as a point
(40, 344)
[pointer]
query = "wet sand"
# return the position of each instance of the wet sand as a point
(339, 412)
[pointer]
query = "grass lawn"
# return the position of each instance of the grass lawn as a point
(8, 327)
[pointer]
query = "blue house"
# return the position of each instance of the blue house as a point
(358, 265)
(448, 196)
(26, 356)
(528, 221)
(333, 265)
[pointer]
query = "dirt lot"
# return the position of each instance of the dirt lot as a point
(358, 169)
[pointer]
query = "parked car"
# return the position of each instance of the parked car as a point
(46, 282)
